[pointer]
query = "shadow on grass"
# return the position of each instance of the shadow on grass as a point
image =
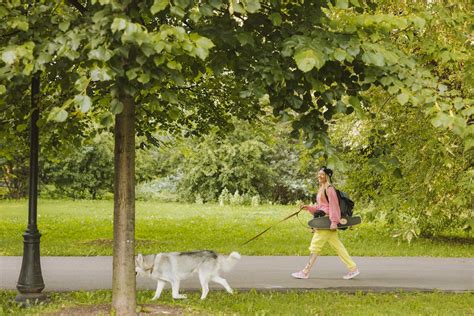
(460, 240)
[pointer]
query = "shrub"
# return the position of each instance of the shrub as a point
(163, 189)
(224, 197)
(87, 172)
(255, 200)
(253, 160)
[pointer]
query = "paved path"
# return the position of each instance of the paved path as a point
(377, 274)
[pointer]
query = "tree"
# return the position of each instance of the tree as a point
(311, 59)
(413, 163)
(86, 172)
(256, 158)
(117, 54)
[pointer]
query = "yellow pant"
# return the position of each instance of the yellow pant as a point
(322, 236)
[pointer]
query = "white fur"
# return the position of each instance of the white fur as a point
(172, 267)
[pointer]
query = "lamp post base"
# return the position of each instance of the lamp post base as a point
(30, 282)
(28, 299)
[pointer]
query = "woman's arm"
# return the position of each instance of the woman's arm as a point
(310, 208)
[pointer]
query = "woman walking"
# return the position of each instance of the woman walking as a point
(327, 204)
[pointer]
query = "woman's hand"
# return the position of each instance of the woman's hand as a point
(303, 207)
(333, 226)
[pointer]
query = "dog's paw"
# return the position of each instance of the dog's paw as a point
(230, 291)
(155, 298)
(180, 296)
(203, 297)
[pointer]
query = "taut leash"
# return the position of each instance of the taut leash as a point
(255, 237)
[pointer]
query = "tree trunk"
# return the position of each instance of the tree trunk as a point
(123, 282)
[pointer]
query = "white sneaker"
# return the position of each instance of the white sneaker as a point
(351, 274)
(300, 275)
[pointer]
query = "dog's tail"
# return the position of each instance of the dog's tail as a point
(227, 263)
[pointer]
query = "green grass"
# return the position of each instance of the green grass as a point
(71, 228)
(269, 303)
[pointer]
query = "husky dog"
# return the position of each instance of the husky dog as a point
(172, 267)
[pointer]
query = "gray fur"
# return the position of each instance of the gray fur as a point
(172, 267)
(200, 253)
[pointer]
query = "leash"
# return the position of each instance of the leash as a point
(260, 234)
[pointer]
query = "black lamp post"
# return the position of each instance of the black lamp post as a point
(30, 283)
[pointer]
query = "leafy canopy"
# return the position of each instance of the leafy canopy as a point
(311, 58)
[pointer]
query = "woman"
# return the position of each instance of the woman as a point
(321, 236)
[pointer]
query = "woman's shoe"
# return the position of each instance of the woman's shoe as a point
(300, 275)
(351, 274)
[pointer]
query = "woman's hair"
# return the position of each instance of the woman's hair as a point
(328, 173)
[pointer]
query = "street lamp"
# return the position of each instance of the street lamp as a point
(30, 283)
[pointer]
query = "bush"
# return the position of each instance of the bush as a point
(255, 200)
(163, 189)
(224, 197)
(253, 160)
(85, 173)
(405, 171)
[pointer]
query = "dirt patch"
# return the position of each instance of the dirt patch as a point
(101, 310)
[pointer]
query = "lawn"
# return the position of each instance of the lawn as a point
(262, 303)
(86, 227)
(82, 227)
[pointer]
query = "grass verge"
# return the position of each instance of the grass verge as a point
(260, 303)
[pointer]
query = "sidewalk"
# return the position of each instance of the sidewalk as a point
(268, 272)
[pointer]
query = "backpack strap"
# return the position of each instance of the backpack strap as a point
(326, 195)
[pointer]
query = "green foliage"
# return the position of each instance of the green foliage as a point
(404, 168)
(14, 165)
(257, 159)
(85, 173)
(405, 171)
(309, 57)
(192, 67)
(162, 189)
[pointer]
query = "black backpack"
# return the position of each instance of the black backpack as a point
(345, 203)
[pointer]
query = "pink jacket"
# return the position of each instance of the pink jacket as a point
(330, 207)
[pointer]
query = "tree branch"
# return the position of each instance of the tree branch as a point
(78, 6)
